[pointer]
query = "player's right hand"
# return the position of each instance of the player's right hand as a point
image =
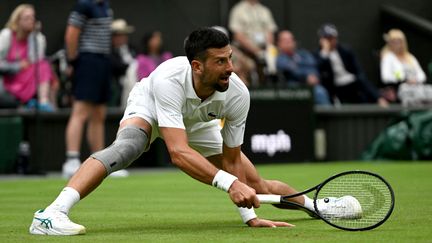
(243, 195)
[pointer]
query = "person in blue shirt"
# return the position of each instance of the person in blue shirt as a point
(298, 67)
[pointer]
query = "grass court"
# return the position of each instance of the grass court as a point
(169, 206)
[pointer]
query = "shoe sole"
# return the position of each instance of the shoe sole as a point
(35, 230)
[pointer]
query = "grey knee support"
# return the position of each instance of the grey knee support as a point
(130, 143)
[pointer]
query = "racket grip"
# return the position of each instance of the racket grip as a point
(269, 198)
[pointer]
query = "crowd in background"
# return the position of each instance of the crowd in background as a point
(332, 71)
(99, 66)
(263, 55)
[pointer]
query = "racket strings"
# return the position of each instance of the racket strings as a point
(373, 195)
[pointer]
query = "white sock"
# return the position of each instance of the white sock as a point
(72, 155)
(308, 203)
(67, 198)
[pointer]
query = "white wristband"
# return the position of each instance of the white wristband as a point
(223, 180)
(247, 214)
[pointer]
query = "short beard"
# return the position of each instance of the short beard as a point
(220, 88)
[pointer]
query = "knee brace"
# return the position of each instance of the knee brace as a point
(130, 143)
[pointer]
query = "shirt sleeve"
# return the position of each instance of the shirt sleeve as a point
(235, 120)
(420, 74)
(7, 67)
(269, 20)
(79, 14)
(169, 101)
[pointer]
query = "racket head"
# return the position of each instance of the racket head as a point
(371, 192)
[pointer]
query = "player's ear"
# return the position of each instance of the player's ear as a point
(197, 66)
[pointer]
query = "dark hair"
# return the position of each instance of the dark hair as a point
(197, 43)
(145, 42)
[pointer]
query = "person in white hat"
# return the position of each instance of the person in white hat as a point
(122, 55)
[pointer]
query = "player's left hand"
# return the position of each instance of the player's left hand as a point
(257, 222)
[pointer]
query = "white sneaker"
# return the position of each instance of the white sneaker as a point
(346, 207)
(70, 167)
(54, 223)
(120, 173)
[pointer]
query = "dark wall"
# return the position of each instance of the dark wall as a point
(359, 22)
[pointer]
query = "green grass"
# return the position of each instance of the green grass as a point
(169, 206)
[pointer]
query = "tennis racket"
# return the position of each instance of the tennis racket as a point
(351, 200)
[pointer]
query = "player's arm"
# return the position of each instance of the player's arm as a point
(199, 168)
(72, 40)
(185, 157)
(231, 162)
(232, 134)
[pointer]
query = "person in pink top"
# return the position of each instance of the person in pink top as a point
(151, 55)
(27, 74)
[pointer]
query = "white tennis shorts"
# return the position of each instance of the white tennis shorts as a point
(205, 138)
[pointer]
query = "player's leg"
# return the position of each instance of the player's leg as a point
(132, 139)
(96, 133)
(95, 168)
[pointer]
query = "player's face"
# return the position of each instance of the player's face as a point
(217, 68)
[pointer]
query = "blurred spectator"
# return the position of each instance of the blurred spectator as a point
(341, 73)
(88, 38)
(244, 66)
(60, 67)
(152, 54)
(27, 74)
(298, 66)
(122, 55)
(399, 66)
(253, 29)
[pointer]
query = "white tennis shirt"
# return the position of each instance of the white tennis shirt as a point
(167, 99)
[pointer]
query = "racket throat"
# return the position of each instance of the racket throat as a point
(296, 206)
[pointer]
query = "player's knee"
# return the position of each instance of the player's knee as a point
(128, 146)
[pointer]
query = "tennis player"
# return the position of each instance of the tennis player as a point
(181, 101)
